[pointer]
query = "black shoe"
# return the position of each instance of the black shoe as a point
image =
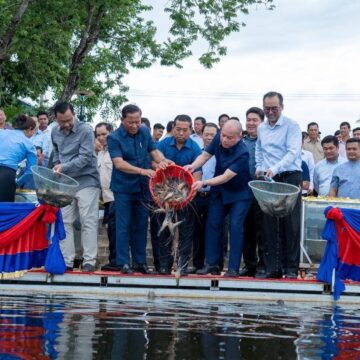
(247, 271)
(164, 271)
(291, 275)
(260, 272)
(88, 268)
(126, 269)
(231, 273)
(213, 270)
(69, 268)
(111, 267)
(270, 275)
(141, 268)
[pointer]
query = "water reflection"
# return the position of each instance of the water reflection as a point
(69, 328)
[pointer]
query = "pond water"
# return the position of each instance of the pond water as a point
(132, 328)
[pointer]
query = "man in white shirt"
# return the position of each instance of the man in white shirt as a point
(345, 135)
(197, 136)
(324, 169)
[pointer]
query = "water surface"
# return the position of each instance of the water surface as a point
(73, 328)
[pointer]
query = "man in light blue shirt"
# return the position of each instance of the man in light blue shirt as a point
(278, 156)
(324, 169)
(345, 179)
(197, 136)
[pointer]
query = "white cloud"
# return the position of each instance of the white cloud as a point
(306, 49)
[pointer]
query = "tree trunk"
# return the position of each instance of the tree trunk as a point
(88, 39)
(6, 40)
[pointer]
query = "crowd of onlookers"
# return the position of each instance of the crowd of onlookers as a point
(223, 219)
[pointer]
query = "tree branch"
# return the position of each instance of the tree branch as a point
(6, 40)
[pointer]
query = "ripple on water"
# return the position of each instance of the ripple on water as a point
(72, 328)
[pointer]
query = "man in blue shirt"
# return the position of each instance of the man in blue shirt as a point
(278, 156)
(129, 147)
(182, 150)
(230, 194)
(345, 179)
(253, 244)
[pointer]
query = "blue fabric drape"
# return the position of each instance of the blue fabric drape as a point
(13, 213)
(330, 260)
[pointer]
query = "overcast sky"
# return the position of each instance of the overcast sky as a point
(306, 49)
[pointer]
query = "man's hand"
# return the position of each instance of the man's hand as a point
(198, 185)
(58, 168)
(164, 163)
(259, 173)
(98, 146)
(269, 173)
(147, 172)
(189, 168)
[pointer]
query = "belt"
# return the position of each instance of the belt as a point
(204, 193)
(287, 173)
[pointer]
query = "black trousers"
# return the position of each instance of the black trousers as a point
(110, 220)
(186, 229)
(7, 184)
(282, 236)
(201, 213)
(154, 229)
(253, 252)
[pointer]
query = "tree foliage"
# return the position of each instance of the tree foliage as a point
(64, 46)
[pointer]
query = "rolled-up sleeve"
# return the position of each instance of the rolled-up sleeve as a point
(258, 154)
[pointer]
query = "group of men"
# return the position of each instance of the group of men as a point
(223, 159)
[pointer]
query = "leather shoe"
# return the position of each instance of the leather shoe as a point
(141, 268)
(164, 271)
(270, 275)
(111, 267)
(231, 273)
(260, 272)
(88, 268)
(291, 275)
(126, 269)
(247, 272)
(213, 270)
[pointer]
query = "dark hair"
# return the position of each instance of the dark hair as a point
(158, 126)
(42, 113)
(169, 126)
(210, 124)
(223, 115)
(62, 107)
(312, 124)
(108, 126)
(183, 117)
(337, 132)
(129, 109)
(235, 118)
(146, 122)
(202, 119)
(345, 123)
(330, 139)
(356, 129)
(271, 94)
(24, 122)
(352, 140)
(257, 111)
(39, 148)
(304, 135)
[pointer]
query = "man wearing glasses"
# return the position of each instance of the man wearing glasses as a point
(278, 156)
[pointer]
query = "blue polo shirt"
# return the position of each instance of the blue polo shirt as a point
(235, 159)
(135, 150)
(184, 156)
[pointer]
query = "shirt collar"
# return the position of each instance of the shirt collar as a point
(124, 133)
(279, 122)
(187, 143)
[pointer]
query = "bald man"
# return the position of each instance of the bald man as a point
(230, 194)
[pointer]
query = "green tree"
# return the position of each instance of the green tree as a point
(63, 46)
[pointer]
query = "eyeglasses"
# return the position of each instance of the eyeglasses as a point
(273, 109)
